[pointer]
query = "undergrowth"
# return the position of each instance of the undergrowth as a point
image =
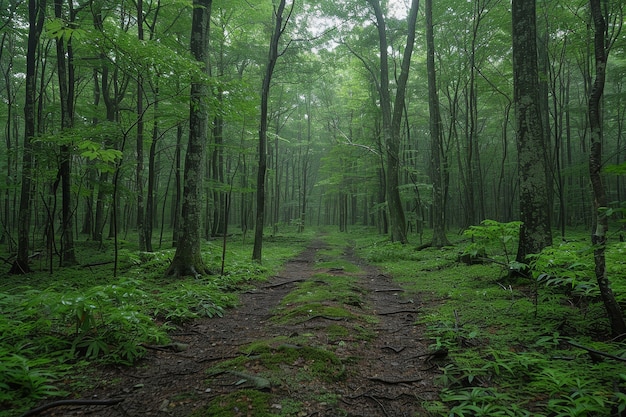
(51, 324)
(517, 346)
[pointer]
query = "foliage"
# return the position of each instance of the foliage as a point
(81, 315)
(493, 237)
(568, 266)
(21, 377)
(507, 343)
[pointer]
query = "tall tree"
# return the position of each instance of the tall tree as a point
(598, 238)
(65, 70)
(141, 232)
(36, 16)
(279, 29)
(439, 218)
(392, 113)
(188, 258)
(535, 233)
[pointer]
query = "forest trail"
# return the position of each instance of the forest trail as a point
(359, 355)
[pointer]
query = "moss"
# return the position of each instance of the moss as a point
(302, 313)
(280, 354)
(239, 403)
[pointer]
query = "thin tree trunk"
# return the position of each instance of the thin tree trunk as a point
(279, 29)
(150, 197)
(36, 15)
(439, 219)
(65, 69)
(177, 187)
(139, 140)
(598, 238)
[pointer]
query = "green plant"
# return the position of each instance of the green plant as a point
(478, 401)
(21, 377)
(568, 268)
(493, 236)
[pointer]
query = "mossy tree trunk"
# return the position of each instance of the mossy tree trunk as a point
(188, 257)
(535, 233)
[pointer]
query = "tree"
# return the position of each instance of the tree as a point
(279, 29)
(188, 258)
(436, 149)
(36, 15)
(65, 70)
(535, 232)
(392, 115)
(141, 227)
(598, 237)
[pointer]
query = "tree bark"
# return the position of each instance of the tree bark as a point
(139, 140)
(598, 238)
(188, 257)
(279, 29)
(439, 218)
(535, 232)
(36, 15)
(65, 69)
(392, 117)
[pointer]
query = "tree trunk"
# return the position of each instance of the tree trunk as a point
(177, 188)
(149, 220)
(392, 117)
(11, 141)
(65, 69)
(279, 29)
(535, 232)
(217, 174)
(188, 257)
(439, 219)
(139, 140)
(598, 238)
(36, 15)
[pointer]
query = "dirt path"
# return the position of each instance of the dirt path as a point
(384, 374)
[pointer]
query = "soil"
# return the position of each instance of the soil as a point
(389, 374)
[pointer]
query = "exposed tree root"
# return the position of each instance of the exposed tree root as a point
(38, 410)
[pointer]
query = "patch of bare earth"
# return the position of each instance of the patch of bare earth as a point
(388, 374)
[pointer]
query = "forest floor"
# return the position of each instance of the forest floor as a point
(364, 357)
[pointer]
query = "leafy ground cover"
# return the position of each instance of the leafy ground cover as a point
(517, 347)
(55, 326)
(392, 331)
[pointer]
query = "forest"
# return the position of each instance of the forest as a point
(164, 157)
